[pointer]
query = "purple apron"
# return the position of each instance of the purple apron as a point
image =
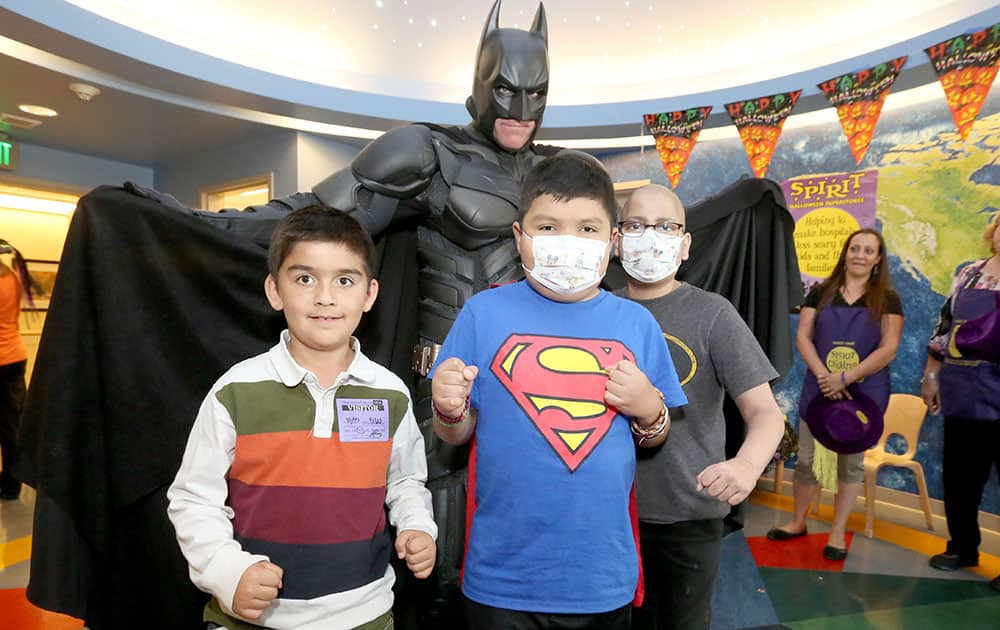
(844, 336)
(969, 388)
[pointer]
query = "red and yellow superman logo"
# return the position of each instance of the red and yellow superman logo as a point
(559, 383)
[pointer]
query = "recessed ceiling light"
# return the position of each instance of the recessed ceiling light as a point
(38, 110)
(378, 4)
(434, 23)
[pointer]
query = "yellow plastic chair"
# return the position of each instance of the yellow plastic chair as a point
(904, 416)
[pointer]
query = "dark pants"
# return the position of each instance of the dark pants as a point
(12, 391)
(483, 617)
(971, 448)
(679, 563)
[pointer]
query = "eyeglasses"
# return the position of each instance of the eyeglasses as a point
(635, 228)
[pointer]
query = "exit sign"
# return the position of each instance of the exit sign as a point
(8, 155)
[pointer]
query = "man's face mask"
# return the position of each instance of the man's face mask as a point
(651, 257)
(567, 264)
(512, 73)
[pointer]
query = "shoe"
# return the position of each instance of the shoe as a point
(950, 561)
(995, 583)
(834, 553)
(780, 534)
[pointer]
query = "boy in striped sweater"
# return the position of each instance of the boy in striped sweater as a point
(279, 501)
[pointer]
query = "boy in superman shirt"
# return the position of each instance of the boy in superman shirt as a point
(557, 381)
(279, 504)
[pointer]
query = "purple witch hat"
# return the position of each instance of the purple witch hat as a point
(845, 426)
(979, 338)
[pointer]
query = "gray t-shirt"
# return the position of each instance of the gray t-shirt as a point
(714, 352)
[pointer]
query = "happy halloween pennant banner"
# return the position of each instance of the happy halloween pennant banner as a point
(966, 66)
(676, 134)
(858, 97)
(759, 121)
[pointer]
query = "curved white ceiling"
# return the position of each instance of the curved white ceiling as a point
(602, 51)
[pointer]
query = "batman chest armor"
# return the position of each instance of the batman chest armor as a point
(483, 188)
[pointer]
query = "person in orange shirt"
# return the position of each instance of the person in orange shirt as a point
(13, 358)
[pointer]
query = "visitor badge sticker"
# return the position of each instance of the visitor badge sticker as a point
(363, 419)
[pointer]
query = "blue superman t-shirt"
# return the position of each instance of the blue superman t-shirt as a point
(554, 467)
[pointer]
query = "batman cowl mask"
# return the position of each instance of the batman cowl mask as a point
(512, 74)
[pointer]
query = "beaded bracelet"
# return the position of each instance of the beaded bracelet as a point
(450, 421)
(658, 428)
(654, 429)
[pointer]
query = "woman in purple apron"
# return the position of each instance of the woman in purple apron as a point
(967, 393)
(849, 329)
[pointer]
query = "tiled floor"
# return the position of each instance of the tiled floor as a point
(884, 583)
(15, 550)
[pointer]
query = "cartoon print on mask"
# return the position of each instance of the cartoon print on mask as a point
(559, 382)
(650, 257)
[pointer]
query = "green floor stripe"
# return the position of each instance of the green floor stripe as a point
(983, 613)
(804, 595)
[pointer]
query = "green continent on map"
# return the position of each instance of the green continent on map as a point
(934, 205)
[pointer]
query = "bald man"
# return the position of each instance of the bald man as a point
(686, 488)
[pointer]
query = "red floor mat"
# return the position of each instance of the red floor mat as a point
(805, 552)
(20, 614)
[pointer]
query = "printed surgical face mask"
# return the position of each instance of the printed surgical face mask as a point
(651, 257)
(567, 264)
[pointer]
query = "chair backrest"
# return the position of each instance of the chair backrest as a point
(904, 415)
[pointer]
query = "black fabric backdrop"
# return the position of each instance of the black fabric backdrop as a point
(153, 303)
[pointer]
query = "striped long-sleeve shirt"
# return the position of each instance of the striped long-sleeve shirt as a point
(278, 468)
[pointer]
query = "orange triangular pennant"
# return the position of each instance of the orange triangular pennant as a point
(966, 66)
(858, 97)
(676, 134)
(759, 121)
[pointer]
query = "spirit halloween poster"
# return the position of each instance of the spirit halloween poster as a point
(826, 209)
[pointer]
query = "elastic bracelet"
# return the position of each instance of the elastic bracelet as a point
(843, 379)
(654, 430)
(450, 421)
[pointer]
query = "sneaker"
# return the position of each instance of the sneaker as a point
(950, 561)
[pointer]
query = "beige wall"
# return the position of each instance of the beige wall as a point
(36, 235)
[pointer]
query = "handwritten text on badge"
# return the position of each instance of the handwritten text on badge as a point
(363, 419)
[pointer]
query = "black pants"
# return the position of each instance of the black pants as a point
(482, 617)
(12, 391)
(971, 448)
(679, 563)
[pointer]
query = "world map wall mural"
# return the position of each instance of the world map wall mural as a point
(934, 195)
